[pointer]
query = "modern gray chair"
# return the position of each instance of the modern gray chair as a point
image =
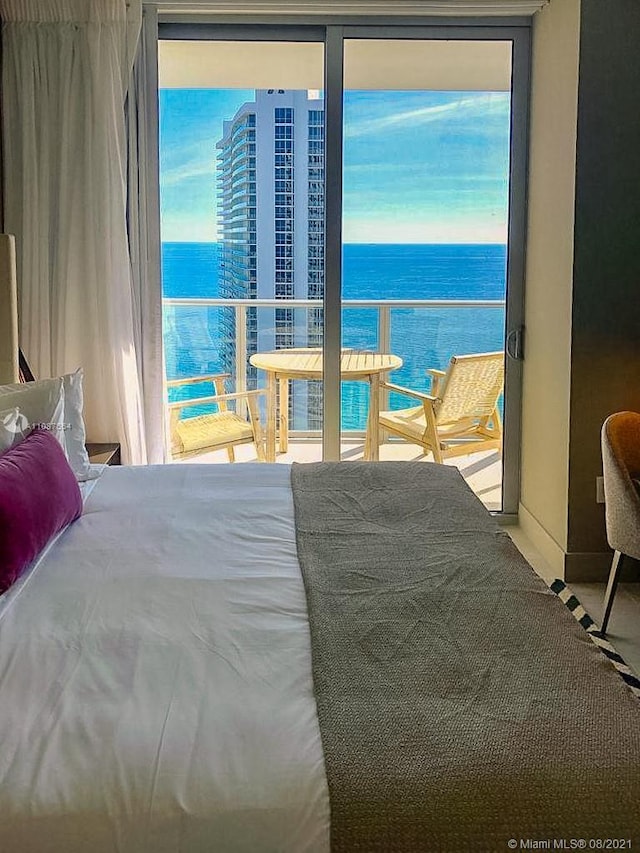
(621, 469)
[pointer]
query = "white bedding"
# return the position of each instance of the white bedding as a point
(155, 674)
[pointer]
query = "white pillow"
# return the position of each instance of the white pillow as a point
(14, 426)
(41, 403)
(75, 435)
(68, 424)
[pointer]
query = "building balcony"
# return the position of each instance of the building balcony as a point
(205, 336)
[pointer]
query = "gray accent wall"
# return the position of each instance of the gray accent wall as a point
(605, 329)
(582, 306)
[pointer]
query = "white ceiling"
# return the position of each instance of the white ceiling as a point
(369, 64)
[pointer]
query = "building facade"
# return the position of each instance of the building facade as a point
(271, 220)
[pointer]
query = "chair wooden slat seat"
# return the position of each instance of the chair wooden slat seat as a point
(208, 432)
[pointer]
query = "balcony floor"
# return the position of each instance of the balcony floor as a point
(482, 471)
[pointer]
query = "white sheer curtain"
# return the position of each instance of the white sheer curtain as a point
(66, 69)
(143, 219)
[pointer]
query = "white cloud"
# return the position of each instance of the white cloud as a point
(485, 104)
(177, 228)
(182, 162)
(186, 171)
(423, 231)
(400, 171)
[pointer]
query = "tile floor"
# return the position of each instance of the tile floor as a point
(624, 623)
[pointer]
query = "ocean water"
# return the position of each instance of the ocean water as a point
(422, 337)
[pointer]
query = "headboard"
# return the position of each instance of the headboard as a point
(9, 371)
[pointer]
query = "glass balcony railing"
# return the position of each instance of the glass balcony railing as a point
(204, 336)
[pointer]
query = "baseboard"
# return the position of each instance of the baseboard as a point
(575, 566)
(552, 553)
(594, 568)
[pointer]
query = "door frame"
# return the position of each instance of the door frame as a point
(333, 32)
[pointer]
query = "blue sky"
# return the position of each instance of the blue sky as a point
(419, 167)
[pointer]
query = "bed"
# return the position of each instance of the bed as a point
(332, 657)
(161, 690)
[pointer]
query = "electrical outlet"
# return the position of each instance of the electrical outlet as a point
(599, 490)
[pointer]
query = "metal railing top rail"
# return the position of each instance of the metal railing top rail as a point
(346, 303)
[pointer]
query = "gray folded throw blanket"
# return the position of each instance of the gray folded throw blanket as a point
(460, 703)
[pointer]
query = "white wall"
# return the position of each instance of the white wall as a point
(549, 278)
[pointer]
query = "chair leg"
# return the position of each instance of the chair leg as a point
(430, 440)
(258, 436)
(231, 454)
(614, 575)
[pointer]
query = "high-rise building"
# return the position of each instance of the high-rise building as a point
(271, 219)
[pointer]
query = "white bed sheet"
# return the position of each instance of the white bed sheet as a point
(155, 674)
(86, 487)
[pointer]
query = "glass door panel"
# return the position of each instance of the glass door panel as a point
(426, 141)
(242, 223)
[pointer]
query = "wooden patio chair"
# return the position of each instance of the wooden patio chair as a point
(461, 414)
(220, 430)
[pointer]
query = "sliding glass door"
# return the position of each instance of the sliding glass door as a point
(426, 140)
(242, 190)
(367, 227)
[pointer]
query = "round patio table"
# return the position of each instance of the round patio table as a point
(285, 364)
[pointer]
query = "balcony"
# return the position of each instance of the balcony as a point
(204, 336)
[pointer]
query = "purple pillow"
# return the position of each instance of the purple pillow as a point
(39, 496)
